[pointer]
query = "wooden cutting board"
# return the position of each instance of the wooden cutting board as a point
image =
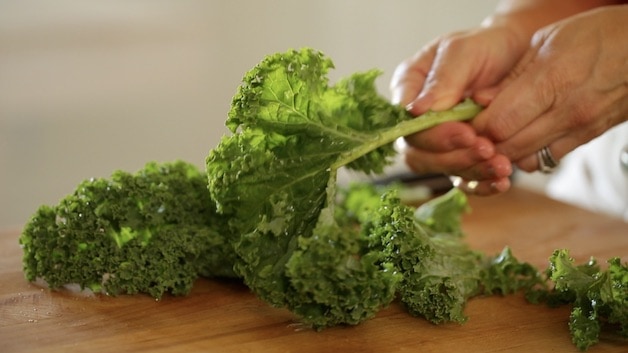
(223, 316)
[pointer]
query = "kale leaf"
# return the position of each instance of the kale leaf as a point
(598, 297)
(275, 178)
(153, 231)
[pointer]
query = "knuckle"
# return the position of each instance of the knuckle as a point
(581, 115)
(498, 129)
(453, 42)
(529, 164)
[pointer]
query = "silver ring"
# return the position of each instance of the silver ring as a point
(547, 162)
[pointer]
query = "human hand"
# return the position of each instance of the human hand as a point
(571, 86)
(439, 76)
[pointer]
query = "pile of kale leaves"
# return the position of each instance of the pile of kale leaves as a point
(269, 211)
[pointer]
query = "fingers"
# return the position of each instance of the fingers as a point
(458, 64)
(485, 96)
(462, 162)
(421, 161)
(571, 116)
(409, 76)
(444, 137)
(534, 96)
(454, 148)
(531, 138)
(531, 163)
(496, 167)
(481, 188)
(516, 105)
(448, 147)
(439, 75)
(406, 83)
(447, 78)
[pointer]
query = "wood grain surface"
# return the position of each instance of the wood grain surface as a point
(223, 316)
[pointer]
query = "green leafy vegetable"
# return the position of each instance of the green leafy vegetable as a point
(154, 231)
(598, 297)
(275, 178)
(268, 210)
(440, 272)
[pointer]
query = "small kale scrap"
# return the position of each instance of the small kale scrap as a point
(598, 297)
(153, 231)
(275, 179)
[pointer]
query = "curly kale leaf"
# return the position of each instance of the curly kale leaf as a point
(443, 214)
(151, 232)
(338, 277)
(598, 296)
(505, 274)
(275, 178)
(440, 273)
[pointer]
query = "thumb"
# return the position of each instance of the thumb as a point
(446, 82)
(441, 91)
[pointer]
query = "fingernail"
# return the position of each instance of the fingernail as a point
(499, 170)
(503, 170)
(485, 151)
(500, 185)
(485, 97)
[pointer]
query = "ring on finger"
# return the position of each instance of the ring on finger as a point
(547, 162)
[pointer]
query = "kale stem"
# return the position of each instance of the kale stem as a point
(463, 111)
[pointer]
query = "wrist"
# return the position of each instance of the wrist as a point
(523, 18)
(516, 36)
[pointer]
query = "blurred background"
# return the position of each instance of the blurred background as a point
(88, 87)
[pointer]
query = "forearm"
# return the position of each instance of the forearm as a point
(524, 17)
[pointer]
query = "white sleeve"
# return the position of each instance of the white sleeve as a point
(595, 175)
